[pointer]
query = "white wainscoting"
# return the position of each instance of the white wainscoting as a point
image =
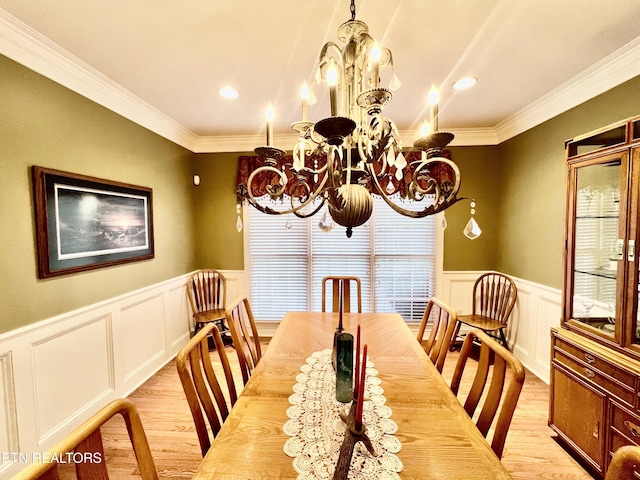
(56, 373)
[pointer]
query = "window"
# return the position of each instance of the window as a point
(397, 258)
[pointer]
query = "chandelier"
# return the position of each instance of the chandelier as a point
(341, 160)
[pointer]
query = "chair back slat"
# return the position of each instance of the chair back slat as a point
(492, 401)
(335, 282)
(480, 379)
(206, 290)
(91, 445)
(494, 296)
(245, 335)
(442, 319)
(201, 386)
(501, 363)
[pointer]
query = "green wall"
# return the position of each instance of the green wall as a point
(532, 175)
(218, 243)
(45, 124)
(478, 169)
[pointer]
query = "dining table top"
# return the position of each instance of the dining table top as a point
(438, 438)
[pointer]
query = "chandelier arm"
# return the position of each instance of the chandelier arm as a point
(325, 54)
(268, 210)
(316, 138)
(311, 214)
(305, 169)
(389, 58)
(425, 163)
(441, 203)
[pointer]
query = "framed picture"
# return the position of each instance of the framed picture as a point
(83, 223)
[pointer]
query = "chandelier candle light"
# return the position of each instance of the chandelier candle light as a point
(343, 159)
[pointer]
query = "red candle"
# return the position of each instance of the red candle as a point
(358, 425)
(340, 306)
(356, 372)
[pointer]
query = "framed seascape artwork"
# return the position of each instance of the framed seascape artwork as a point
(83, 223)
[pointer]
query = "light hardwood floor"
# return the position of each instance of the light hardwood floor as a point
(530, 450)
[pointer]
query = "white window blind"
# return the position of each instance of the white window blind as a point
(394, 256)
(405, 269)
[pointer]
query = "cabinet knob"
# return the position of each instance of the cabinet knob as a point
(589, 373)
(633, 428)
(589, 358)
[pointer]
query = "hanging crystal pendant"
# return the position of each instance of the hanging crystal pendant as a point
(394, 83)
(390, 188)
(239, 220)
(472, 229)
(288, 225)
(391, 158)
(444, 222)
(326, 223)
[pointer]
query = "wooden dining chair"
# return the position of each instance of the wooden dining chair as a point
(335, 282)
(497, 360)
(201, 385)
(442, 319)
(86, 440)
(206, 290)
(245, 335)
(625, 464)
(494, 296)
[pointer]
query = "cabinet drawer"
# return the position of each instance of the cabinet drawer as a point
(624, 430)
(591, 374)
(593, 361)
(627, 424)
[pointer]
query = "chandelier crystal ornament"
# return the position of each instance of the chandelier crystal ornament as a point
(343, 159)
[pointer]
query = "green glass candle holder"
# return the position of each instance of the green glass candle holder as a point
(344, 367)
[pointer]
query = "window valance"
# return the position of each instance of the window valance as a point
(441, 172)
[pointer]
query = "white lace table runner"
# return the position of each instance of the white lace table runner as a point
(317, 431)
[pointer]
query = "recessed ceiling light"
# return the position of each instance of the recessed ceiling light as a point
(464, 83)
(228, 92)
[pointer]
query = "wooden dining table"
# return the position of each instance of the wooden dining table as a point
(439, 440)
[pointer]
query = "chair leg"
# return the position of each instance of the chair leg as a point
(453, 344)
(225, 333)
(503, 339)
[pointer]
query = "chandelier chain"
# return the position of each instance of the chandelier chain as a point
(353, 9)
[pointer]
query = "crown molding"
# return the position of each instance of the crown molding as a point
(30, 48)
(613, 70)
(246, 143)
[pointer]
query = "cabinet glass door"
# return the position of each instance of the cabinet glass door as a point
(597, 249)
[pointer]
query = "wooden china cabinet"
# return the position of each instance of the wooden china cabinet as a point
(595, 367)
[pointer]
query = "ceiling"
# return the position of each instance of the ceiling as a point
(161, 63)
